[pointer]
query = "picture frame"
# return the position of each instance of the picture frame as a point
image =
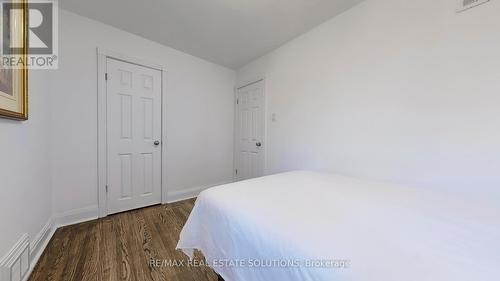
(14, 81)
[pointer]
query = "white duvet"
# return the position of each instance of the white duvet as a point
(311, 226)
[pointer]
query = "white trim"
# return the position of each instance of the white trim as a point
(39, 242)
(164, 189)
(101, 135)
(14, 259)
(189, 193)
(235, 129)
(36, 248)
(102, 55)
(266, 124)
(76, 216)
(131, 59)
(38, 245)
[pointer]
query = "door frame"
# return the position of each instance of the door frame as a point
(102, 150)
(264, 119)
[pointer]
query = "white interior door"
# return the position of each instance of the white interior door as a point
(249, 147)
(133, 136)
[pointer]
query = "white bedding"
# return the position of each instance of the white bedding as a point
(386, 232)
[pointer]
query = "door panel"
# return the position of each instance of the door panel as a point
(133, 126)
(250, 131)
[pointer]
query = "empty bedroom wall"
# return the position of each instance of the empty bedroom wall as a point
(198, 117)
(396, 90)
(26, 198)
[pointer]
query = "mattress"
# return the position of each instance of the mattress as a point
(317, 226)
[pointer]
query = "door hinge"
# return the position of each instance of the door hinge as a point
(237, 101)
(236, 171)
(106, 188)
(106, 76)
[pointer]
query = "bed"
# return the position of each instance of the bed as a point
(302, 226)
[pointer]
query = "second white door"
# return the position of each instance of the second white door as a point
(249, 146)
(133, 136)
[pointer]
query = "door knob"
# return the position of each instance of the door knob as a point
(258, 144)
(156, 143)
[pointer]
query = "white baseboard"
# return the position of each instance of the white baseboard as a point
(19, 263)
(189, 193)
(39, 243)
(24, 255)
(76, 216)
(16, 263)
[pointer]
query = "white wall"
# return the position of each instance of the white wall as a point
(198, 117)
(49, 163)
(25, 193)
(397, 90)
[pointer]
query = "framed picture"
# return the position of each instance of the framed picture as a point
(14, 82)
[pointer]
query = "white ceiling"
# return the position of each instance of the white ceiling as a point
(227, 32)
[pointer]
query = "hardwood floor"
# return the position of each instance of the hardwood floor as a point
(121, 247)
